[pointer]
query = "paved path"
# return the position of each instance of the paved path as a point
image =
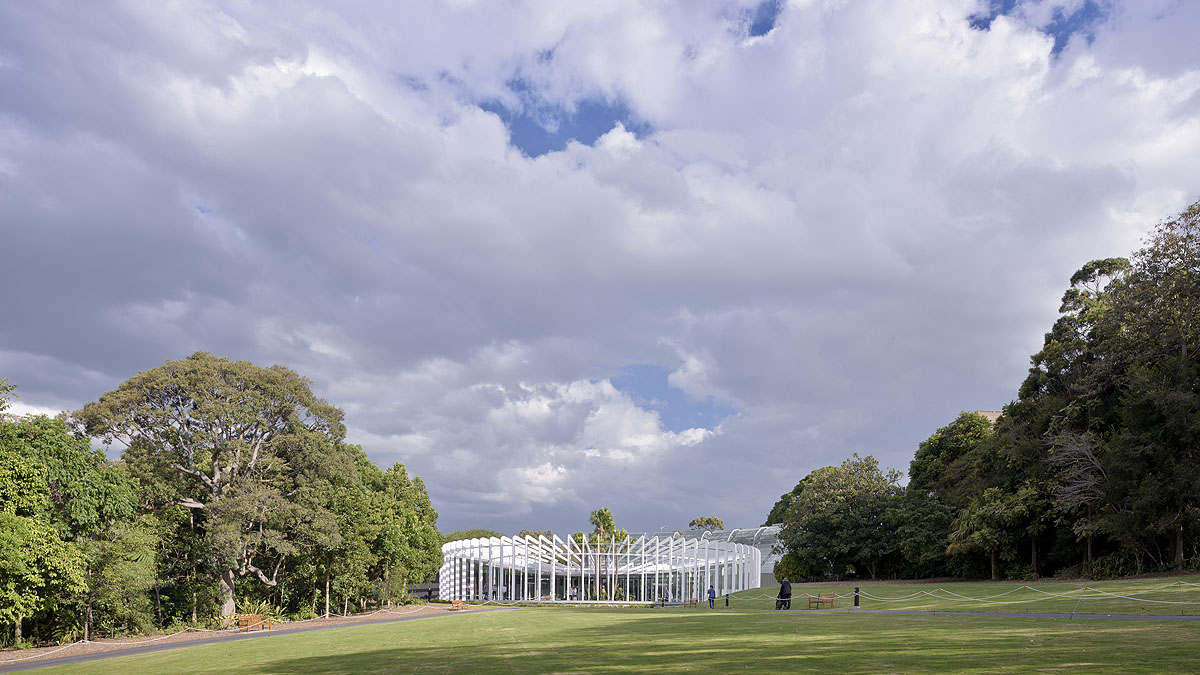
(83, 658)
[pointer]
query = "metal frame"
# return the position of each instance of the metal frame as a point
(650, 568)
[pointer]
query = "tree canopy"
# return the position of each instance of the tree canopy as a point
(230, 471)
(1091, 470)
(707, 523)
(837, 523)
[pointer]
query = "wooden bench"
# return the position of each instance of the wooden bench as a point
(247, 621)
(822, 601)
(456, 605)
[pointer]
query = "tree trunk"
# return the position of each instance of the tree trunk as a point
(1033, 556)
(327, 587)
(17, 632)
(1089, 540)
(157, 602)
(228, 606)
(191, 567)
(87, 621)
(387, 584)
(1178, 546)
(993, 565)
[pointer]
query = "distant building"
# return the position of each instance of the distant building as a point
(992, 415)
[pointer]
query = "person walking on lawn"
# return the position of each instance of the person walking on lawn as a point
(712, 597)
(784, 601)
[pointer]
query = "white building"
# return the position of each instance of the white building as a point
(648, 568)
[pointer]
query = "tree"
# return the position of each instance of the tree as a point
(1156, 337)
(988, 525)
(921, 523)
(6, 394)
(475, 533)
(943, 466)
(604, 533)
(55, 477)
(838, 521)
(36, 568)
(231, 441)
(707, 523)
(785, 501)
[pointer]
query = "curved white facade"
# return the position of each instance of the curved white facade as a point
(651, 568)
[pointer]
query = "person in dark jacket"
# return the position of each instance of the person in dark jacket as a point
(784, 601)
(712, 597)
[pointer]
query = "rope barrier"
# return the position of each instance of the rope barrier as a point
(34, 656)
(1079, 594)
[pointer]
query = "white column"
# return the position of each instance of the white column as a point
(658, 568)
(553, 569)
(642, 564)
(708, 580)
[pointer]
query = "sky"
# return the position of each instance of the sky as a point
(664, 257)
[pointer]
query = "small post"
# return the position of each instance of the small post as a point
(856, 598)
(726, 599)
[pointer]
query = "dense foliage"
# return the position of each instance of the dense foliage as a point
(236, 489)
(1094, 470)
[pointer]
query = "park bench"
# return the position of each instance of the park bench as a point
(692, 603)
(822, 601)
(247, 621)
(456, 605)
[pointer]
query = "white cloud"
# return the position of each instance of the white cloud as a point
(849, 229)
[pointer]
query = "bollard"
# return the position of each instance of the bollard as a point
(726, 599)
(856, 598)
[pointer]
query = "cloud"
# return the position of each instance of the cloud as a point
(846, 229)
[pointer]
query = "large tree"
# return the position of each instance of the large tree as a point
(839, 519)
(233, 442)
(945, 465)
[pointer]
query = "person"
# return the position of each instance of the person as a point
(712, 596)
(784, 601)
(503, 592)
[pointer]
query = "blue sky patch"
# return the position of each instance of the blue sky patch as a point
(537, 127)
(647, 385)
(1082, 21)
(764, 18)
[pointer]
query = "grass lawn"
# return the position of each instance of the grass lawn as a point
(1140, 596)
(555, 640)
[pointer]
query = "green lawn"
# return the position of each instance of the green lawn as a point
(1141, 596)
(555, 640)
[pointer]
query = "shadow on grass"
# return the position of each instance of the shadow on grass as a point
(728, 642)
